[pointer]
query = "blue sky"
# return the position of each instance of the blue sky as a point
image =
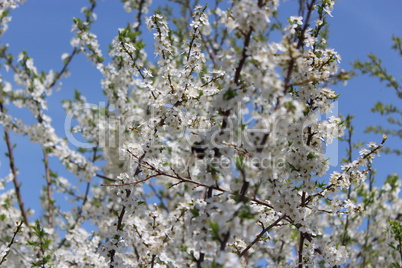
(42, 27)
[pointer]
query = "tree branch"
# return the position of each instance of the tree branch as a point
(13, 168)
(261, 234)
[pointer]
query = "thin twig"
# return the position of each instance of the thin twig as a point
(19, 226)
(261, 234)
(49, 192)
(176, 176)
(299, 45)
(104, 177)
(244, 56)
(13, 168)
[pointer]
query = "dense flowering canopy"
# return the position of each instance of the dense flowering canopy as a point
(212, 155)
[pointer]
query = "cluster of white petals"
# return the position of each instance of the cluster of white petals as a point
(212, 153)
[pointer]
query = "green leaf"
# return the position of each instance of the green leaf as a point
(215, 229)
(229, 94)
(246, 214)
(77, 95)
(195, 212)
(395, 265)
(239, 162)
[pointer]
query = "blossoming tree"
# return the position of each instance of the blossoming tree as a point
(212, 155)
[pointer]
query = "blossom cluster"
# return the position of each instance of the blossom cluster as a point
(211, 155)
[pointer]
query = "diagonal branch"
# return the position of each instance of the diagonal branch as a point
(13, 168)
(261, 234)
(176, 176)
